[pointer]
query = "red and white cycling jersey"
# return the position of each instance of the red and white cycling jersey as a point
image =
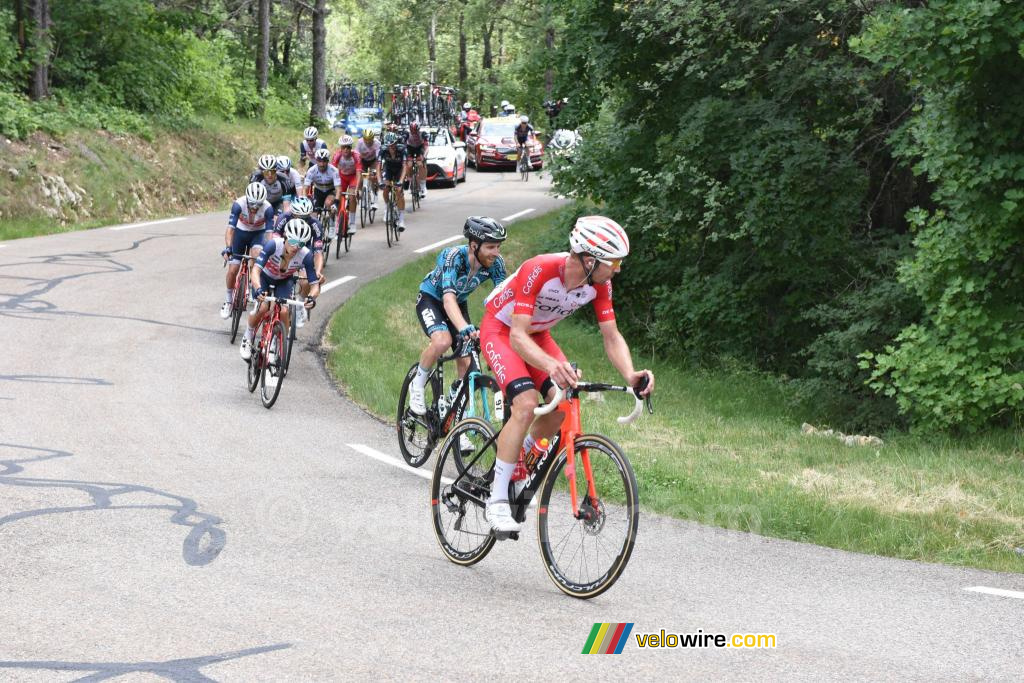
(537, 289)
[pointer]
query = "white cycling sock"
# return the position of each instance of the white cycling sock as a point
(502, 476)
(247, 336)
(230, 296)
(420, 380)
(401, 214)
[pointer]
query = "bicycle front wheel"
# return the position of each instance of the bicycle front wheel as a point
(457, 504)
(585, 556)
(389, 222)
(273, 371)
(238, 302)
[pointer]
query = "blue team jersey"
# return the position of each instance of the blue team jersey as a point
(273, 266)
(242, 218)
(451, 274)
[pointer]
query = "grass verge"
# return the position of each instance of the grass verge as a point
(726, 448)
(90, 178)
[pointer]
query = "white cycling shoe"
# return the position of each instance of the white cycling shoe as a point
(416, 403)
(245, 349)
(225, 310)
(302, 319)
(499, 516)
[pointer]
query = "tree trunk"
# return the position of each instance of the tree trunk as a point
(463, 67)
(549, 73)
(19, 26)
(488, 60)
(263, 50)
(432, 43)
(39, 88)
(318, 110)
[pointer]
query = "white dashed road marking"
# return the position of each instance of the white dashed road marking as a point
(438, 244)
(336, 283)
(517, 215)
(996, 591)
(139, 225)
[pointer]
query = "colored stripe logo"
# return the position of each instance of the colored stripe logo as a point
(607, 639)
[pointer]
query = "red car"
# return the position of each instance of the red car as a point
(492, 144)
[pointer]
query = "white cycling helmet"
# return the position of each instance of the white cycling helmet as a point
(600, 237)
(297, 229)
(310, 133)
(256, 193)
(504, 103)
(346, 141)
(302, 207)
(268, 162)
(284, 163)
(467, 106)
(524, 119)
(322, 155)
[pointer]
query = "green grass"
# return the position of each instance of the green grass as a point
(725, 448)
(127, 178)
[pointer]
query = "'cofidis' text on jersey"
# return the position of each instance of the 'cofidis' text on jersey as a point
(537, 289)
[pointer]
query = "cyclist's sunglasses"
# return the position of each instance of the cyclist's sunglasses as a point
(615, 263)
(295, 243)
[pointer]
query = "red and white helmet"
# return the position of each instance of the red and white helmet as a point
(601, 237)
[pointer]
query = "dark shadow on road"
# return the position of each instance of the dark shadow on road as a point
(181, 670)
(201, 546)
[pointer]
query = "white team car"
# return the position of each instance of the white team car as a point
(446, 156)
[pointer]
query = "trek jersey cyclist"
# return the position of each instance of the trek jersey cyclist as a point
(248, 225)
(537, 289)
(317, 243)
(451, 275)
(307, 148)
(274, 272)
(522, 132)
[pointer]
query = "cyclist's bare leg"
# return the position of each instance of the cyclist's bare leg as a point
(439, 342)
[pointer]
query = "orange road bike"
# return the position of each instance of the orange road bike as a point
(587, 503)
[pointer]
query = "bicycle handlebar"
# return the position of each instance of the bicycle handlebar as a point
(267, 298)
(552, 404)
(638, 407)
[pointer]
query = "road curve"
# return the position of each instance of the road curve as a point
(156, 520)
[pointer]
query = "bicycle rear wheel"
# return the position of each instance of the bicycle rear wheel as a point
(585, 556)
(364, 202)
(457, 509)
(417, 434)
(272, 375)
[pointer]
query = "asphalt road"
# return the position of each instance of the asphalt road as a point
(157, 522)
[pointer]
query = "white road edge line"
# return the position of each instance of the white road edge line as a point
(437, 244)
(517, 215)
(395, 462)
(139, 225)
(996, 591)
(336, 283)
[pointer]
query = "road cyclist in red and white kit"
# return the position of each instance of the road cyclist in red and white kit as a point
(516, 340)
(368, 149)
(350, 167)
(251, 215)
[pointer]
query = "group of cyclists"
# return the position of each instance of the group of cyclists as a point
(515, 333)
(273, 223)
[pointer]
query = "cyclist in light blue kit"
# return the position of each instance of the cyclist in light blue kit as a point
(441, 305)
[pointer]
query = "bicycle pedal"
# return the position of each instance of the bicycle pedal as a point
(505, 535)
